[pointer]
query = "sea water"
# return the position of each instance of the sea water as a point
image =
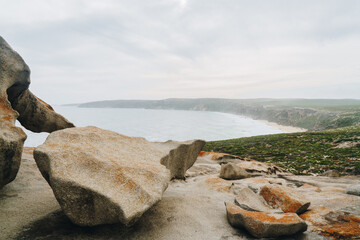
(161, 125)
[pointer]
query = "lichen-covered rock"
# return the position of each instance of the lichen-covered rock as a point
(330, 223)
(264, 224)
(248, 200)
(230, 171)
(33, 113)
(286, 198)
(101, 177)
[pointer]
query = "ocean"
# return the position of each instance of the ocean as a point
(161, 125)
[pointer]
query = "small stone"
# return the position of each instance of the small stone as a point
(232, 172)
(353, 190)
(264, 224)
(286, 198)
(250, 201)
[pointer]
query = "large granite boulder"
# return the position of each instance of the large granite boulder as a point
(102, 177)
(17, 102)
(264, 224)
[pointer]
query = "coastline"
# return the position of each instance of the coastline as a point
(285, 129)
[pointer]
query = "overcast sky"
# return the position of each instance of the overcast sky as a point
(86, 50)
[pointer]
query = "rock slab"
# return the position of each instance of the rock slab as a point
(263, 224)
(250, 201)
(102, 177)
(286, 198)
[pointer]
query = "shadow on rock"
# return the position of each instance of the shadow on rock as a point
(57, 226)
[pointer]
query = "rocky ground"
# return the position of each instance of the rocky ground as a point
(190, 209)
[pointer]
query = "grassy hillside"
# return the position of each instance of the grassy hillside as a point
(307, 152)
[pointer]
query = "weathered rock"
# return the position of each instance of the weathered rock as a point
(219, 184)
(231, 172)
(14, 74)
(182, 155)
(101, 177)
(263, 224)
(330, 223)
(353, 190)
(286, 198)
(33, 113)
(253, 166)
(11, 144)
(250, 201)
(14, 94)
(38, 116)
(218, 156)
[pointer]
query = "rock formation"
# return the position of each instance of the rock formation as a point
(231, 171)
(248, 200)
(286, 198)
(264, 224)
(101, 177)
(17, 102)
(182, 155)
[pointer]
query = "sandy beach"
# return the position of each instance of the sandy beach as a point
(286, 129)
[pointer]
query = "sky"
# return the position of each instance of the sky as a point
(86, 50)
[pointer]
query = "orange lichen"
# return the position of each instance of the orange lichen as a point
(125, 181)
(342, 227)
(202, 153)
(349, 228)
(285, 218)
(219, 184)
(278, 198)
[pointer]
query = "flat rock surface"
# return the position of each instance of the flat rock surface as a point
(189, 209)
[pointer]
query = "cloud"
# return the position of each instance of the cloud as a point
(94, 50)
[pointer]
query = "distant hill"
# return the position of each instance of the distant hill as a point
(312, 114)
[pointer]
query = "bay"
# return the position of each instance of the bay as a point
(161, 125)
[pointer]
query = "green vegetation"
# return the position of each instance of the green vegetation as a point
(300, 153)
